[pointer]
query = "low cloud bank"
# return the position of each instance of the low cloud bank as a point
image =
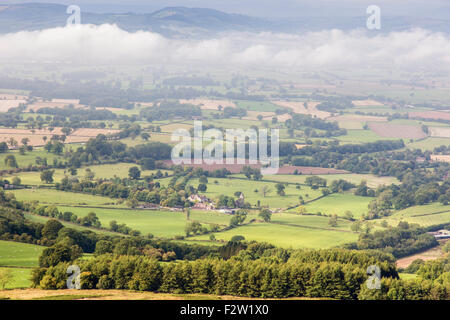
(107, 44)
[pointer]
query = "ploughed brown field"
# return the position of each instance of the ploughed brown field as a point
(397, 131)
(36, 137)
(237, 168)
(359, 118)
(440, 158)
(430, 254)
(434, 115)
(299, 107)
(6, 104)
(8, 96)
(440, 132)
(363, 103)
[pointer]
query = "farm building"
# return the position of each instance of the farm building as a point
(201, 202)
(441, 234)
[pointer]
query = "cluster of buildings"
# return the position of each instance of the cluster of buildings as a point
(204, 203)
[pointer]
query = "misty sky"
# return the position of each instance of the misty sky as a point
(411, 50)
(271, 8)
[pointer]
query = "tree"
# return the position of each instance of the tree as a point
(301, 200)
(265, 190)
(6, 277)
(91, 220)
(89, 175)
(194, 228)
(237, 238)
(362, 189)
(12, 142)
(103, 246)
(51, 229)
(3, 147)
(148, 164)
(25, 141)
(134, 173)
(132, 203)
(348, 215)
(113, 225)
(145, 136)
(265, 214)
(10, 161)
(202, 187)
(302, 210)
(73, 171)
(280, 189)
(333, 221)
(47, 176)
(56, 254)
(16, 181)
(238, 218)
(66, 130)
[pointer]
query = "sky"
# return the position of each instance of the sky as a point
(271, 8)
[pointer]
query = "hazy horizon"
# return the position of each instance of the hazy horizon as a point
(267, 8)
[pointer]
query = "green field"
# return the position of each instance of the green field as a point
(18, 254)
(120, 170)
(429, 143)
(29, 157)
(51, 196)
(159, 223)
(361, 136)
(43, 220)
(372, 180)
(338, 203)
(287, 236)
(426, 215)
(105, 171)
(310, 221)
(212, 217)
(257, 105)
(227, 186)
(407, 276)
(34, 178)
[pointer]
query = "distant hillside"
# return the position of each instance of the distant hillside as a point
(197, 22)
(169, 21)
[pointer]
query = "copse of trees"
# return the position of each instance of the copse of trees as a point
(170, 109)
(417, 188)
(401, 241)
(76, 115)
(301, 121)
(101, 148)
(255, 270)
